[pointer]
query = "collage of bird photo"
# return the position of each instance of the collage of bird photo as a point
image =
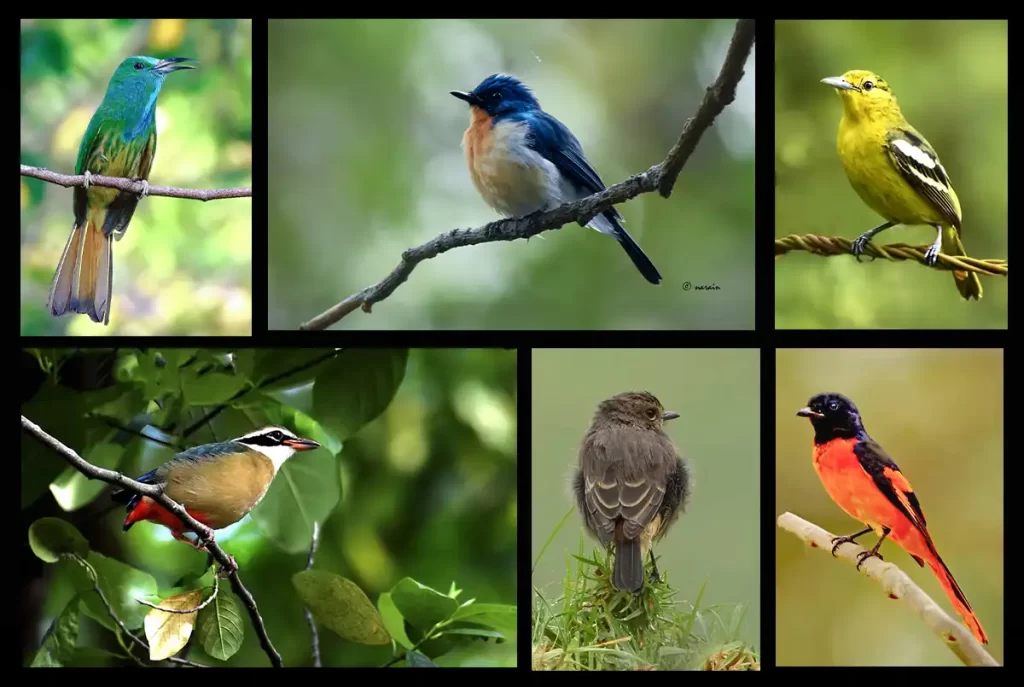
(288, 434)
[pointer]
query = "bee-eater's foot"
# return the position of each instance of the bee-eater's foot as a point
(88, 178)
(145, 189)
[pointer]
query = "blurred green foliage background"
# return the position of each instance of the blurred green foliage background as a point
(425, 487)
(366, 161)
(951, 82)
(184, 266)
(939, 414)
(717, 540)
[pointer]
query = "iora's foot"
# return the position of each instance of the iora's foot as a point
(145, 189)
(88, 180)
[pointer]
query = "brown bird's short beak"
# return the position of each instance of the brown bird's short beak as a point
(468, 97)
(807, 412)
(301, 444)
(171, 64)
(669, 415)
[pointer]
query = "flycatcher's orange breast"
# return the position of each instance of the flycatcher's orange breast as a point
(511, 178)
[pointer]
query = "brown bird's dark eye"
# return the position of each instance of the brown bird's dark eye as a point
(139, 65)
(652, 413)
(867, 87)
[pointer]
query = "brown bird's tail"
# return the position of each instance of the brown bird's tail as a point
(84, 275)
(628, 574)
(967, 283)
(957, 598)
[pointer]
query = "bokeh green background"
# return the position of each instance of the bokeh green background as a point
(427, 489)
(183, 267)
(717, 540)
(951, 81)
(939, 414)
(365, 162)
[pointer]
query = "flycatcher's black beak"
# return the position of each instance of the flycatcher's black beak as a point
(669, 415)
(807, 412)
(468, 97)
(171, 64)
(300, 444)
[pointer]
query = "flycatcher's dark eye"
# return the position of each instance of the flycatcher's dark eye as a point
(834, 405)
(139, 65)
(652, 413)
(868, 85)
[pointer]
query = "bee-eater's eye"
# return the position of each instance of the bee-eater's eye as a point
(138, 66)
(868, 85)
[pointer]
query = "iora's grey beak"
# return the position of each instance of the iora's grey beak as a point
(669, 415)
(300, 444)
(468, 97)
(807, 412)
(171, 64)
(840, 83)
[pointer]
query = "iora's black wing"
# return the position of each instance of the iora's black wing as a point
(626, 472)
(918, 163)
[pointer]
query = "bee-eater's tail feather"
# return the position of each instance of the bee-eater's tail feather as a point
(84, 276)
(967, 283)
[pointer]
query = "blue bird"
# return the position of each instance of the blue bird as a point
(523, 160)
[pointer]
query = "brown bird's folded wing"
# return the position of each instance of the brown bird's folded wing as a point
(625, 472)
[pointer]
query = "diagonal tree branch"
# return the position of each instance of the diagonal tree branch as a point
(204, 533)
(957, 637)
(837, 245)
(661, 178)
(134, 186)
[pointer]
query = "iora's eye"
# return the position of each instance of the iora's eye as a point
(834, 405)
(868, 85)
(139, 65)
(652, 413)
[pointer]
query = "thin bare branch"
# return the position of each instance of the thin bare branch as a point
(134, 186)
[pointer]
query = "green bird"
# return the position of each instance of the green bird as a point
(120, 142)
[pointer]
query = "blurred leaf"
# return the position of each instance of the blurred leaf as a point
(59, 643)
(418, 660)
(51, 537)
(121, 585)
(356, 387)
(272, 362)
(341, 606)
(72, 489)
(211, 389)
(501, 617)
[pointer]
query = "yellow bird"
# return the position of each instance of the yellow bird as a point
(895, 171)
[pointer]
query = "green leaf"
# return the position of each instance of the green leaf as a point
(501, 617)
(121, 585)
(220, 626)
(273, 362)
(59, 644)
(211, 389)
(393, 620)
(51, 537)
(422, 606)
(340, 606)
(58, 412)
(72, 489)
(356, 387)
(473, 632)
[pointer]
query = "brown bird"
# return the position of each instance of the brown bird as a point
(631, 484)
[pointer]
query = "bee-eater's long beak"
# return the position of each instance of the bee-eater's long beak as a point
(300, 444)
(171, 64)
(840, 83)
